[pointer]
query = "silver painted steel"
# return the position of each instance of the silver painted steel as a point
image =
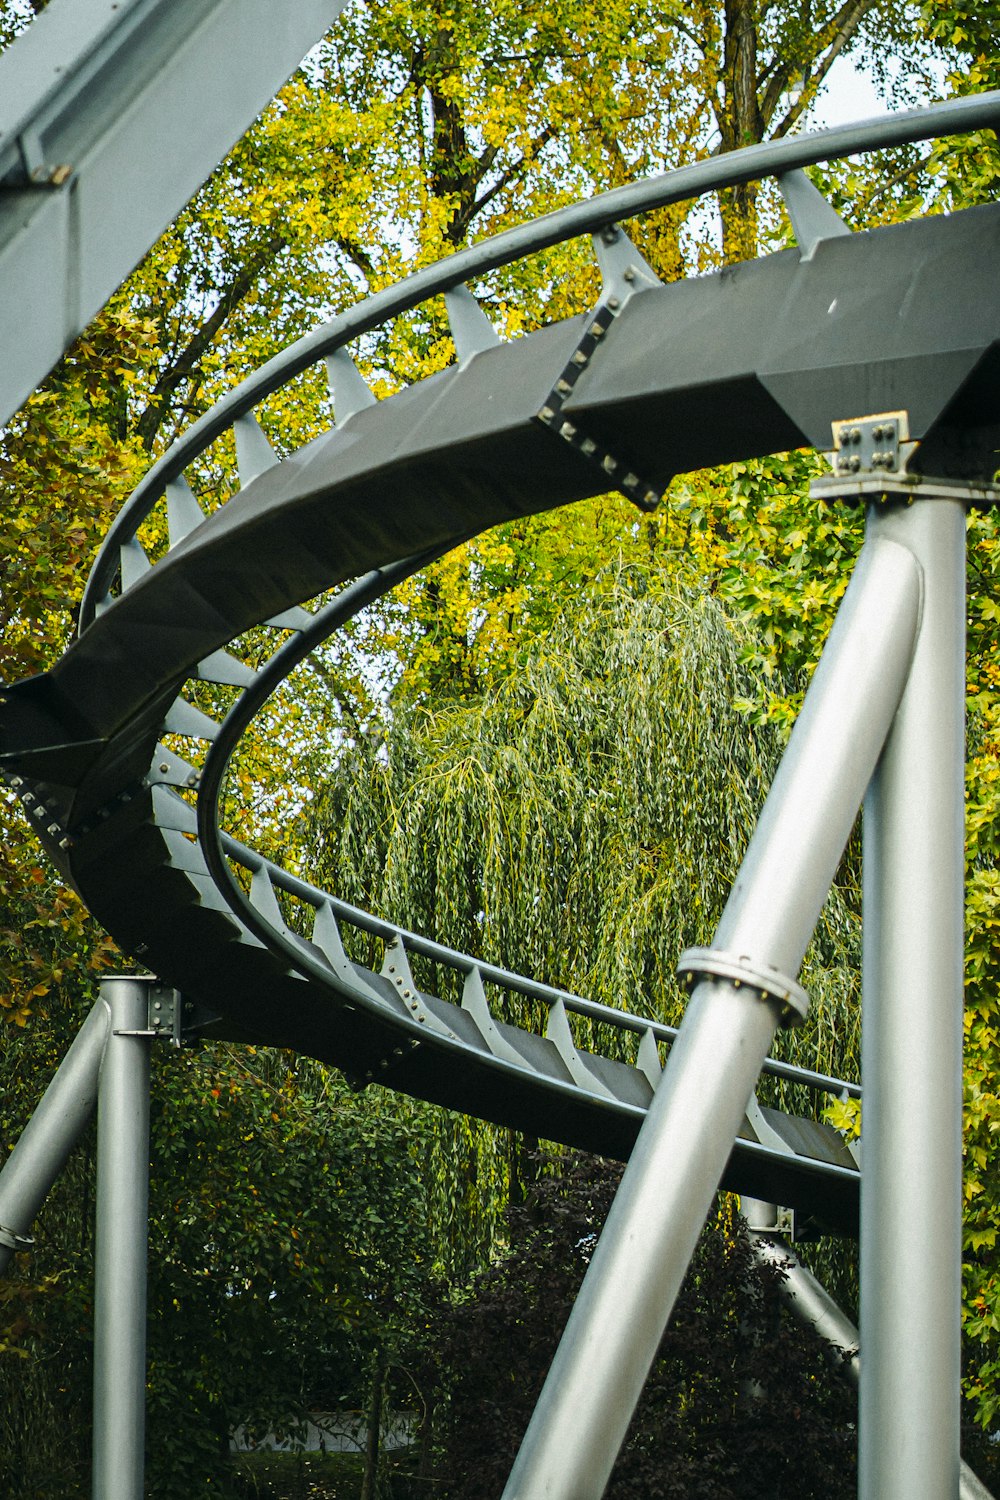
(631, 1285)
(912, 1041)
(112, 113)
(807, 1297)
(812, 1305)
(53, 1130)
(120, 1245)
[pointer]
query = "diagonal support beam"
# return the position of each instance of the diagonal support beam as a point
(633, 1280)
(812, 1304)
(112, 115)
(51, 1133)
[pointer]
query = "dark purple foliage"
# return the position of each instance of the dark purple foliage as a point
(740, 1403)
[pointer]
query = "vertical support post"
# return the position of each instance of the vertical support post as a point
(121, 1237)
(633, 1280)
(815, 1308)
(912, 1040)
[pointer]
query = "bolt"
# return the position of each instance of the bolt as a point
(629, 274)
(652, 498)
(579, 358)
(563, 387)
(614, 303)
(164, 768)
(855, 434)
(631, 481)
(567, 430)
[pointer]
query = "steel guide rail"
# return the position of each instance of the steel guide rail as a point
(748, 164)
(191, 846)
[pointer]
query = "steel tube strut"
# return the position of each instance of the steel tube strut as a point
(121, 1236)
(631, 1285)
(51, 1133)
(812, 1305)
(912, 1042)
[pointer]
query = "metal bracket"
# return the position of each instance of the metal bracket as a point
(625, 272)
(37, 172)
(171, 1018)
(740, 970)
(870, 460)
(903, 489)
(877, 444)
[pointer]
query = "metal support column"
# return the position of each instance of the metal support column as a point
(51, 1133)
(812, 1304)
(631, 1285)
(912, 1039)
(121, 1235)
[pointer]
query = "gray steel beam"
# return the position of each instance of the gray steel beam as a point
(51, 1133)
(629, 1291)
(112, 114)
(812, 1304)
(120, 1245)
(911, 1054)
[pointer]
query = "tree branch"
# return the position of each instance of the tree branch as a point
(185, 364)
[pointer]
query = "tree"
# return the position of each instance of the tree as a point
(738, 1403)
(413, 129)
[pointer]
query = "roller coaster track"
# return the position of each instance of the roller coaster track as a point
(653, 381)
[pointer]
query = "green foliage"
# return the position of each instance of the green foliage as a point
(738, 1403)
(584, 817)
(289, 1239)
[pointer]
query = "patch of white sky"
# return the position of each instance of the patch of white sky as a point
(850, 93)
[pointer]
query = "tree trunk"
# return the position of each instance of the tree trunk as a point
(741, 125)
(373, 1437)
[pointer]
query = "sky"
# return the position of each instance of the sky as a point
(849, 95)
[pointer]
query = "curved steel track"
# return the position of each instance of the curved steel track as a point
(654, 381)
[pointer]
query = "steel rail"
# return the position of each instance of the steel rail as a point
(748, 164)
(216, 845)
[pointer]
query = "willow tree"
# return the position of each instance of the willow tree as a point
(583, 818)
